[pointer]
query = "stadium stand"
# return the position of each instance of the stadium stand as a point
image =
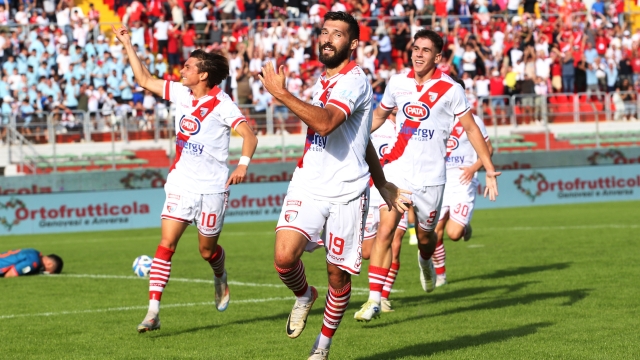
(540, 73)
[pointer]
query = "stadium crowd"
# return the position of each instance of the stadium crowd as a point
(56, 58)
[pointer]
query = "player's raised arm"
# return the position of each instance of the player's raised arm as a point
(322, 120)
(249, 143)
(481, 148)
(388, 191)
(141, 73)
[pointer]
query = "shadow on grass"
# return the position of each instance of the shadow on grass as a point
(573, 296)
(461, 342)
(460, 293)
(282, 316)
(523, 270)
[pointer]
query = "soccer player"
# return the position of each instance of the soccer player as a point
(326, 202)
(382, 140)
(459, 191)
(428, 102)
(197, 188)
(28, 262)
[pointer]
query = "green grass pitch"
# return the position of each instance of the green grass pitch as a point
(554, 282)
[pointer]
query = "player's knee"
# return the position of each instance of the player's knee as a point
(207, 253)
(284, 260)
(338, 278)
(455, 232)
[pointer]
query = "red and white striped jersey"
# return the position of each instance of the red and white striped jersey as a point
(426, 114)
(203, 127)
(460, 152)
(333, 167)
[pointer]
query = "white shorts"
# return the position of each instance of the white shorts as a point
(373, 220)
(459, 203)
(206, 211)
(427, 201)
(337, 227)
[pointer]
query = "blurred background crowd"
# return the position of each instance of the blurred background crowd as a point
(58, 56)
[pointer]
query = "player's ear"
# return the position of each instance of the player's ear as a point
(354, 44)
(204, 76)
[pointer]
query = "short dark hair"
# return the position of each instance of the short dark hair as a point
(435, 38)
(459, 81)
(216, 65)
(354, 28)
(59, 263)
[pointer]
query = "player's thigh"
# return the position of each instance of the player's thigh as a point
(300, 224)
(344, 233)
(210, 214)
(427, 203)
(179, 210)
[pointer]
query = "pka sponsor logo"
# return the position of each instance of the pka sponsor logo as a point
(416, 111)
(189, 125)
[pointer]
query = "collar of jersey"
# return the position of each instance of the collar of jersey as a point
(344, 70)
(213, 92)
(436, 75)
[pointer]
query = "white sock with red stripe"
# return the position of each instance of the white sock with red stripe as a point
(377, 277)
(335, 306)
(217, 262)
(295, 279)
(391, 278)
(438, 258)
(159, 276)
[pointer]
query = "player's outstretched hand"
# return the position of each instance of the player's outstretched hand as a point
(272, 80)
(237, 176)
(492, 185)
(394, 197)
(122, 34)
(466, 176)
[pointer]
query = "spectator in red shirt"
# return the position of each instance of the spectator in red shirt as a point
(496, 88)
(188, 41)
(173, 46)
(602, 42)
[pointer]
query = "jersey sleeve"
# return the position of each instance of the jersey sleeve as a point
(459, 103)
(229, 114)
(172, 91)
(348, 92)
(388, 102)
(483, 129)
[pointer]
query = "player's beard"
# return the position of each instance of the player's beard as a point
(339, 55)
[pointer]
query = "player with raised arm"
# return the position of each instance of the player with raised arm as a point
(197, 187)
(459, 191)
(428, 102)
(382, 140)
(326, 202)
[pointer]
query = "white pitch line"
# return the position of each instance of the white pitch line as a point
(570, 227)
(206, 281)
(141, 307)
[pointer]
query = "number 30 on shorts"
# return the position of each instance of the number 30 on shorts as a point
(336, 244)
(461, 209)
(208, 220)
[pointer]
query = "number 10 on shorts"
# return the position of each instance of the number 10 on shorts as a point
(208, 220)
(336, 244)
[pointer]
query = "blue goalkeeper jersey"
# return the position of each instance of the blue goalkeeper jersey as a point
(25, 261)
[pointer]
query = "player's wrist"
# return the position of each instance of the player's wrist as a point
(244, 160)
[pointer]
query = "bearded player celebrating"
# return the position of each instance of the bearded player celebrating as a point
(326, 203)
